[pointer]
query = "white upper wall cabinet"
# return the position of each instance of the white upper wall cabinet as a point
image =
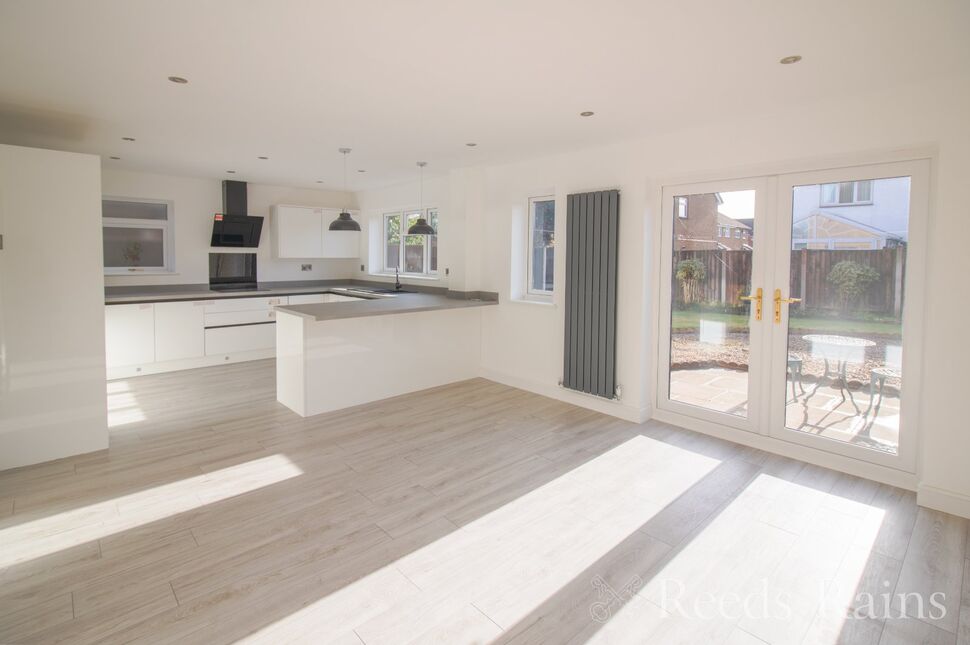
(301, 232)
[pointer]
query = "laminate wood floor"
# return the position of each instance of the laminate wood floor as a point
(470, 513)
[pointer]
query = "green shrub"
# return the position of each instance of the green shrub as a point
(851, 280)
(690, 272)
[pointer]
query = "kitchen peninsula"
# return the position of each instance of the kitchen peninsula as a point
(336, 355)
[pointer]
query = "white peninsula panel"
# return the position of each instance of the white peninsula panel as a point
(325, 365)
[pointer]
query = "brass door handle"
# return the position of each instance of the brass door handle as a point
(779, 300)
(758, 297)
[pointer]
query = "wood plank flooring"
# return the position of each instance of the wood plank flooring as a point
(471, 513)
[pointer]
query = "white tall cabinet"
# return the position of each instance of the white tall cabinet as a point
(52, 361)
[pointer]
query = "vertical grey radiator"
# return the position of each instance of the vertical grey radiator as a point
(589, 359)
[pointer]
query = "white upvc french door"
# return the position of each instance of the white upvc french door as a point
(712, 267)
(845, 368)
(837, 255)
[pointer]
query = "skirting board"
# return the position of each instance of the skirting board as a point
(943, 500)
(612, 408)
(128, 371)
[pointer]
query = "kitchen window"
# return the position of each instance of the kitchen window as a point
(847, 193)
(410, 254)
(137, 236)
(542, 245)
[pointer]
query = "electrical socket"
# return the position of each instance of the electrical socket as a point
(306, 267)
(361, 267)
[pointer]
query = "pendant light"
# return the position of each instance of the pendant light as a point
(344, 221)
(421, 227)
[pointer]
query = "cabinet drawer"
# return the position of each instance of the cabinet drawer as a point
(221, 319)
(243, 304)
(227, 340)
(311, 298)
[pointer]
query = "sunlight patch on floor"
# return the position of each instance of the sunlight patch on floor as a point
(508, 562)
(23, 539)
(782, 561)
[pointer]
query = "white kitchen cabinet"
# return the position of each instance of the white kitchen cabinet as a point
(299, 232)
(129, 334)
(340, 244)
(243, 304)
(244, 338)
(302, 232)
(310, 298)
(179, 330)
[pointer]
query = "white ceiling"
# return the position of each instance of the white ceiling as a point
(400, 81)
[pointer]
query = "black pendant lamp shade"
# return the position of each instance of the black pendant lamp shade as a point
(344, 221)
(421, 227)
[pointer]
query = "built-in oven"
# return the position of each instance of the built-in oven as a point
(232, 271)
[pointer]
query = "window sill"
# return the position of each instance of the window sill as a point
(533, 300)
(115, 274)
(407, 276)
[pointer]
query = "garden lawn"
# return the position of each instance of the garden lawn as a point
(688, 320)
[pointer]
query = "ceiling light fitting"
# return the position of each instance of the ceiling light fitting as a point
(421, 227)
(127, 138)
(178, 79)
(586, 113)
(790, 60)
(344, 221)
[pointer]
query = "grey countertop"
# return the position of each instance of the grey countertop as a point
(415, 298)
(172, 293)
(382, 305)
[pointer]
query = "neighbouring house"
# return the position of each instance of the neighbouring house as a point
(699, 226)
(852, 215)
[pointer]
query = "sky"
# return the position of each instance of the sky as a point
(738, 204)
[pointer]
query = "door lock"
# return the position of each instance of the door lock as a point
(757, 299)
(779, 300)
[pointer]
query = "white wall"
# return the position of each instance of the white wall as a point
(522, 343)
(196, 201)
(52, 365)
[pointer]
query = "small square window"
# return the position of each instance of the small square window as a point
(137, 236)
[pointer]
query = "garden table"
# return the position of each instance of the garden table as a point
(842, 350)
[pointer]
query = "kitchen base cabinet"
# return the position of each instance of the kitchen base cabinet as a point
(243, 338)
(129, 334)
(179, 332)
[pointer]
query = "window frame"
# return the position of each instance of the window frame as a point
(530, 226)
(403, 215)
(167, 226)
(855, 194)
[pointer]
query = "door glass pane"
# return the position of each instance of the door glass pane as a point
(844, 373)
(709, 325)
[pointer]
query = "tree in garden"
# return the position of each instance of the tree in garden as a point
(690, 272)
(851, 280)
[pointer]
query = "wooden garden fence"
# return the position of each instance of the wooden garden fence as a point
(727, 277)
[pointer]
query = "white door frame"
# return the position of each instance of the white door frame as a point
(896, 470)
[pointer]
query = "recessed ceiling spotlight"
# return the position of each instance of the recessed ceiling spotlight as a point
(178, 79)
(319, 181)
(361, 170)
(471, 145)
(127, 138)
(262, 158)
(115, 158)
(586, 113)
(231, 172)
(790, 60)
